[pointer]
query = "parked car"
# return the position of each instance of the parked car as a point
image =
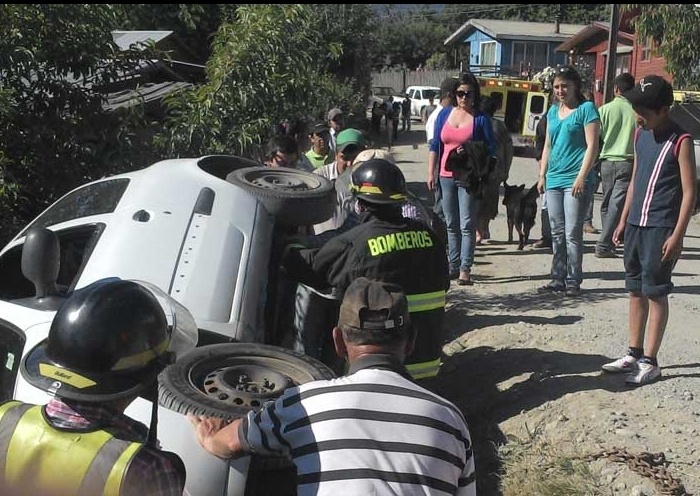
(420, 98)
(206, 232)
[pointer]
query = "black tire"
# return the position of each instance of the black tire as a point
(207, 380)
(294, 197)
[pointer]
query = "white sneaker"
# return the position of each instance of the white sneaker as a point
(645, 373)
(625, 364)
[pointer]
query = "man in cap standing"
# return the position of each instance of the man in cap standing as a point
(340, 434)
(336, 123)
(350, 142)
(320, 154)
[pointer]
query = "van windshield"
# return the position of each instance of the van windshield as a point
(92, 199)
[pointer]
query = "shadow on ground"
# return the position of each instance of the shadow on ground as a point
(492, 385)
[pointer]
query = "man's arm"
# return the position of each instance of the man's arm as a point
(218, 437)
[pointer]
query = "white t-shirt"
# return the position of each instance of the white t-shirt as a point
(430, 122)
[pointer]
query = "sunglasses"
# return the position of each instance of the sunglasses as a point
(463, 94)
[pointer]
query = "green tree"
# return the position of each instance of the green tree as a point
(269, 64)
(55, 135)
(674, 30)
(407, 38)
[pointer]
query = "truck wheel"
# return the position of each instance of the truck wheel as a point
(229, 380)
(293, 196)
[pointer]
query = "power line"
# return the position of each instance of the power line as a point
(472, 11)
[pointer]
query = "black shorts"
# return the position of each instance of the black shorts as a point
(645, 273)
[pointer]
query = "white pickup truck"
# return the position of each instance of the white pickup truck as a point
(204, 231)
(420, 98)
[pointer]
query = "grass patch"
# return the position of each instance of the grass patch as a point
(534, 466)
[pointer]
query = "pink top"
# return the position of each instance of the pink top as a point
(451, 138)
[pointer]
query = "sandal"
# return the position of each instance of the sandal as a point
(465, 278)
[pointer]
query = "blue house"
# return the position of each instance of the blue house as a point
(511, 48)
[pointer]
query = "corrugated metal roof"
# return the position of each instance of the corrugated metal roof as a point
(144, 94)
(124, 39)
(590, 32)
(516, 30)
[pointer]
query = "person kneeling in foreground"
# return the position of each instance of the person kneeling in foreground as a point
(341, 434)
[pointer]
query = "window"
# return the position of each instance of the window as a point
(622, 63)
(530, 55)
(488, 53)
(92, 199)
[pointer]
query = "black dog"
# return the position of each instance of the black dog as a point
(521, 209)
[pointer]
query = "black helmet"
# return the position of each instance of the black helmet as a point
(108, 340)
(378, 181)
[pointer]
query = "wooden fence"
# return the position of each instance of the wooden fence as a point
(399, 80)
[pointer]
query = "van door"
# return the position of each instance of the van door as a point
(535, 108)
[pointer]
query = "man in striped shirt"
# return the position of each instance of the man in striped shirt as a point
(373, 431)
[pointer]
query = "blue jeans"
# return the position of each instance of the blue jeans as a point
(460, 209)
(566, 219)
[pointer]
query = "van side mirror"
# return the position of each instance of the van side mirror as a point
(41, 261)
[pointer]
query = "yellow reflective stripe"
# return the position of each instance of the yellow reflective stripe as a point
(33, 467)
(142, 358)
(6, 406)
(113, 486)
(64, 375)
(423, 302)
(374, 190)
(424, 370)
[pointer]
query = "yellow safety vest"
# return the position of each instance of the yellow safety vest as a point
(418, 303)
(36, 458)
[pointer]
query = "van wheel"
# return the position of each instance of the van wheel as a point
(293, 196)
(229, 380)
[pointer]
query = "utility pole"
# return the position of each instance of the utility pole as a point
(612, 52)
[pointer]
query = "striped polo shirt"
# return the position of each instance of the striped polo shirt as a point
(657, 180)
(371, 432)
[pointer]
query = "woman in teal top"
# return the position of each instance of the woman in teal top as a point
(566, 171)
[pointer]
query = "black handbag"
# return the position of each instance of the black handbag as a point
(470, 165)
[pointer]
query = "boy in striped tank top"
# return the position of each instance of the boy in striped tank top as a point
(658, 207)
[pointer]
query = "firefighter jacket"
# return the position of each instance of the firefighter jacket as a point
(388, 247)
(61, 462)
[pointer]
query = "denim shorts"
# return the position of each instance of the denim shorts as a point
(645, 273)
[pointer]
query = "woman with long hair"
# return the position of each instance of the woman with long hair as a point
(566, 171)
(454, 126)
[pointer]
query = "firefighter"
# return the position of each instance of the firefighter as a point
(105, 347)
(388, 247)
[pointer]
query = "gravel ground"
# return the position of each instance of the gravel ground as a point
(519, 362)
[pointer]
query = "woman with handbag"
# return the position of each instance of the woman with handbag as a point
(569, 155)
(455, 126)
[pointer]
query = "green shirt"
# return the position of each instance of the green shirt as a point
(617, 124)
(318, 160)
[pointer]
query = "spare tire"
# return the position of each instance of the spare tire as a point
(229, 380)
(293, 196)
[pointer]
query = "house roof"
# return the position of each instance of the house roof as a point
(124, 39)
(145, 94)
(516, 30)
(592, 32)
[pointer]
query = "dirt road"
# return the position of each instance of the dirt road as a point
(519, 362)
